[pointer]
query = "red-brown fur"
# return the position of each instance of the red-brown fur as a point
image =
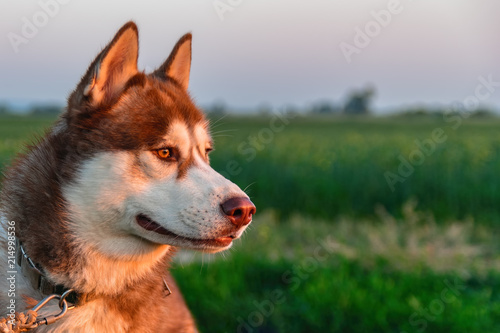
(133, 120)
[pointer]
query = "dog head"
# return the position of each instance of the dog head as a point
(139, 154)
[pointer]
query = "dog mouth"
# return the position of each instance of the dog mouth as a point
(148, 224)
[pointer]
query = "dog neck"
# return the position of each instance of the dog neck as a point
(40, 282)
(98, 274)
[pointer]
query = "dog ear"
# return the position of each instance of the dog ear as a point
(178, 64)
(112, 68)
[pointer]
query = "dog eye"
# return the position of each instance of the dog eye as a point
(207, 151)
(164, 153)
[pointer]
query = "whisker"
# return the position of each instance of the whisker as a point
(222, 136)
(226, 130)
(246, 188)
(212, 124)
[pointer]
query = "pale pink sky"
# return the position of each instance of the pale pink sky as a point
(277, 52)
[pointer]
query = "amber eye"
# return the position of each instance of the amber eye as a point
(164, 153)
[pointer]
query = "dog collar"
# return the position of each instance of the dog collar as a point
(40, 282)
(37, 278)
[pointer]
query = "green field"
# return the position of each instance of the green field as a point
(333, 248)
(330, 167)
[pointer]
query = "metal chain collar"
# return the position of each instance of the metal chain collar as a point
(63, 305)
(22, 325)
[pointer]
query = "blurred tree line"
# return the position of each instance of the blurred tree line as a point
(358, 102)
(36, 110)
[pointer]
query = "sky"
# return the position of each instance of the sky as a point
(266, 52)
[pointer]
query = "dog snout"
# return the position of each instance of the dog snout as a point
(239, 210)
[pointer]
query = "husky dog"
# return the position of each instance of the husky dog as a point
(100, 204)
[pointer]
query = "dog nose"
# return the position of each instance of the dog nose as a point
(239, 211)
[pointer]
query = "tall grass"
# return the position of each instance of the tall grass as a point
(328, 167)
(332, 248)
(16, 132)
(331, 167)
(378, 275)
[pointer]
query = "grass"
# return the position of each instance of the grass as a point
(332, 248)
(328, 167)
(16, 131)
(382, 275)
